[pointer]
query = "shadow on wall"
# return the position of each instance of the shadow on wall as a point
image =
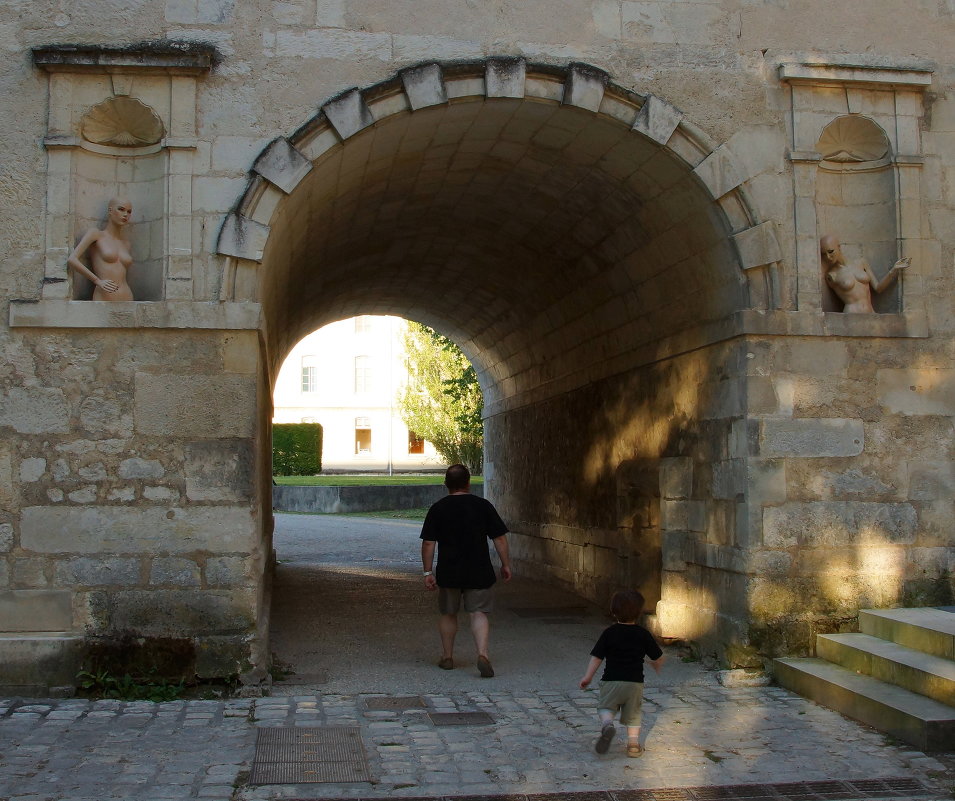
(618, 483)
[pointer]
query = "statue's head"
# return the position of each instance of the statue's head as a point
(831, 250)
(119, 210)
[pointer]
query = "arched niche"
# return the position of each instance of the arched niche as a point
(841, 110)
(856, 200)
(122, 123)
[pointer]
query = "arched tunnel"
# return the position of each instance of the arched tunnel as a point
(583, 263)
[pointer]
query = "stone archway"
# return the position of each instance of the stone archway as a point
(589, 250)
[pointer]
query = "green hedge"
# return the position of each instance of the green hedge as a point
(296, 449)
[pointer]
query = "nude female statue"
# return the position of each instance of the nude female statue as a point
(109, 254)
(854, 283)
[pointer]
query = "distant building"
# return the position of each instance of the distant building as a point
(347, 376)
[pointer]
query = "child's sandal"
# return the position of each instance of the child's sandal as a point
(634, 750)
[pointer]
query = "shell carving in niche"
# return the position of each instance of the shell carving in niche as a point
(852, 139)
(122, 121)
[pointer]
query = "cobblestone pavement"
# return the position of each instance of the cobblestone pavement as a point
(351, 617)
(540, 742)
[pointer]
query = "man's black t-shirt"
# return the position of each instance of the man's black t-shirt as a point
(624, 647)
(462, 525)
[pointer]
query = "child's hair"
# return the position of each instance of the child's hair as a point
(626, 606)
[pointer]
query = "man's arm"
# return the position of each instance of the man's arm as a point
(427, 561)
(500, 545)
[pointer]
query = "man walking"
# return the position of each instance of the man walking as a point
(460, 524)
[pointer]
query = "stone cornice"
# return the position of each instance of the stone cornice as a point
(163, 57)
(913, 76)
(134, 314)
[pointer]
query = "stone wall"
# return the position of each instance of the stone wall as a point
(615, 210)
(351, 500)
(855, 463)
(636, 481)
(796, 480)
(129, 501)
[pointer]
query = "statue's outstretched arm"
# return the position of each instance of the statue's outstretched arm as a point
(890, 277)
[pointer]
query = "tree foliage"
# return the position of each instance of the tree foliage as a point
(442, 401)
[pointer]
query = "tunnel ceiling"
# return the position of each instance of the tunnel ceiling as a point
(544, 239)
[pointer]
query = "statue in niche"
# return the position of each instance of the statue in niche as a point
(109, 254)
(854, 282)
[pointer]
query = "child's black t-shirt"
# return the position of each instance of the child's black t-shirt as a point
(624, 647)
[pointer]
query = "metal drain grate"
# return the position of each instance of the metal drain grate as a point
(858, 790)
(506, 797)
(461, 718)
(395, 703)
(886, 788)
(309, 755)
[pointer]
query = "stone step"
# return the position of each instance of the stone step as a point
(913, 670)
(923, 722)
(39, 663)
(929, 630)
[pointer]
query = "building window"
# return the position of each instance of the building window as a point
(363, 324)
(415, 443)
(362, 435)
(309, 379)
(362, 374)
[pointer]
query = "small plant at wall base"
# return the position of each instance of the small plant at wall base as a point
(296, 449)
(100, 683)
(443, 402)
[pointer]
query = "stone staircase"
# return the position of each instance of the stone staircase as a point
(897, 675)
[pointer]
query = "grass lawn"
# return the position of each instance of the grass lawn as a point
(365, 480)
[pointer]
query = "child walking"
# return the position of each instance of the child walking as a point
(623, 645)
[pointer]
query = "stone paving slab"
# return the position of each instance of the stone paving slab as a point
(540, 743)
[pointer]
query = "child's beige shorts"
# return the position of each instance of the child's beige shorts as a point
(627, 696)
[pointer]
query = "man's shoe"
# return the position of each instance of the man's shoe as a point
(606, 735)
(446, 663)
(484, 667)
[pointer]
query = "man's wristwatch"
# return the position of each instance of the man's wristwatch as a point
(427, 572)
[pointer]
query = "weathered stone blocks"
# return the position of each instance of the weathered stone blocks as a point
(118, 529)
(242, 238)
(585, 87)
(810, 438)
(424, 86)
(35, 410)
(36, 610)
(837, 523)
(505, 77)
(97, 571)
(140, 468)
(175, 572)
(283, 165)
(174, 612)
(194, 405)
(657, 119)
(219, 470)
(929, 391)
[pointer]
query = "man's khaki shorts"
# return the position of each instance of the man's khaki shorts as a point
(449, 600)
